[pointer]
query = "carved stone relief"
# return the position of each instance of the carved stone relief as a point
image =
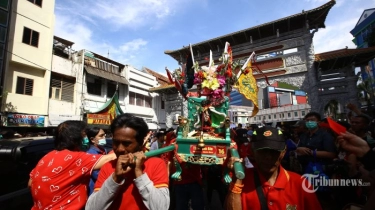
(295, 80)
(293, 60)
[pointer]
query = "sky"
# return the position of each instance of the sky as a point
(137, 32)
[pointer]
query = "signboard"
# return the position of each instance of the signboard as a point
(103, 119)
(207, 150)
(56, 119)
(24, 120)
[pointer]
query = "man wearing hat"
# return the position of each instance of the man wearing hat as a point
(268, 185)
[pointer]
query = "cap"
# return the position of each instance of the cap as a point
(268, 138)
(299, 123)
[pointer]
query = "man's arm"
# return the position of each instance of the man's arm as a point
(103, 160)
(153, 198)
(329, 147)
(233, 200)
(103, 198)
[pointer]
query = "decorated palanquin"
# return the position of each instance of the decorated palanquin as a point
(203, 136)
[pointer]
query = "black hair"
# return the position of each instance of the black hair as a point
(366, 119)
(130, 121)
(92, 132)
(68, 135)
(315, 114)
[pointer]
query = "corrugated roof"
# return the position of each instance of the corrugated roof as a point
(163, 80)
(344, 57)
(105, 74)
(342, 53)
(162, 87)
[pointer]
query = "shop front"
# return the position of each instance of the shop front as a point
(103, 117)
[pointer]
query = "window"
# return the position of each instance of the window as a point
(148, 102)
(3, 18)
(296, 114)
(140, 100)
(131, 98)
(62, 88)
(303, 113)
(37, 2)
(95, 87)
(289, 115)
(24, 86)
(162, 104)
(30, 37)
(4, 4)
(111, 89)
(269, 116)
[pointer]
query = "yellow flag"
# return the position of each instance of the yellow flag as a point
(247, 86)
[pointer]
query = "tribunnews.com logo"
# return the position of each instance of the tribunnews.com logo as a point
(312, 182)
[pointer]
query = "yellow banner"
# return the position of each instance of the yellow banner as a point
(247, 86)
(103, 119)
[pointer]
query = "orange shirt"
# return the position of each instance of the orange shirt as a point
(286, 193)
(130, 198)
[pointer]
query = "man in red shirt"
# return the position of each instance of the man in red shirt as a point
(131, 181)
(269, 185)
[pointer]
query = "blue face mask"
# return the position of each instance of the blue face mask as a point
(102, 142)
(311, 125)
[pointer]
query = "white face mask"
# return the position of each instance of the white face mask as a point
(102, 142)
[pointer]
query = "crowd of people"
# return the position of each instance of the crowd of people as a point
(276, 162)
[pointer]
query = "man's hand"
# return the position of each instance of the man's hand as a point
(353, 143)
(303, 151)
(123, 167)
(139, 158)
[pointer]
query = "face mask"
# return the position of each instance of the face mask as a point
(85, 141)
(311, 125)
(102, 142)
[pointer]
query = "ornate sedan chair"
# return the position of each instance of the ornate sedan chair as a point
(203, 136)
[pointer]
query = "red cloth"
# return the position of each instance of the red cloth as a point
(245, 151)
(130, 198)
(60, 178)
(286, 192)
(190, 173)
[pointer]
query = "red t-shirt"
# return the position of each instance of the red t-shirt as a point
(286, 193)
(60, 178)
(131, 199)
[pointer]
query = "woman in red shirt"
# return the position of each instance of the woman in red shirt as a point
(60, 179)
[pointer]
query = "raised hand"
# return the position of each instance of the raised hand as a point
(123, 166)
(353, 143)
(139, 158)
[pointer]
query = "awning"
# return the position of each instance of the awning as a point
(104, 74)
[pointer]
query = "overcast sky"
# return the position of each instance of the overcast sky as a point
(137, 32)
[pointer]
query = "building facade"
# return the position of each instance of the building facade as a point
(28, 63)
(361, 32)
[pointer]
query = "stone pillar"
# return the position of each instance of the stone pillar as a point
(311, 75)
